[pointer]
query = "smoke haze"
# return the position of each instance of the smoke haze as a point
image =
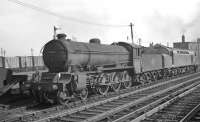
(169, 27)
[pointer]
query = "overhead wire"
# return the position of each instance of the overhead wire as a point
(31, 6)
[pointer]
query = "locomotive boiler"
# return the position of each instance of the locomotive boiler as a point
(60, 55)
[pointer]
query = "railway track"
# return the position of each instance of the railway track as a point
(120, 108)
(193, 115)
(177, 109)
(111, 107)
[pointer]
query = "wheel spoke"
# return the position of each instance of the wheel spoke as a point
(103, 86)
(103, 89)
(116, 82)
(84, 94)
(127, 80)
(127, 84)
(63, 98)
(116, 86)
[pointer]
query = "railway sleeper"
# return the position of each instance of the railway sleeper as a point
(116, 103)
(109, 106)
(100, 108)
(94, 111)
(192, 103)
(166, 116)
(121, 101)
(81, 115)
(69, 119)
(133, 97)
(89, 113)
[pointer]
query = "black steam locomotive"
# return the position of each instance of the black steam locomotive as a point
(77, 69)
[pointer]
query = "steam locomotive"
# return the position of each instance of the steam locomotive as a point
(77, 69)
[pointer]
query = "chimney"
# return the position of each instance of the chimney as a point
(61, 36)
(183, 38)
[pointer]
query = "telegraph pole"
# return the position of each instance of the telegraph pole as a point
(139, 41)
(1, 51)
(32, 51)
(131, 25)
(4, 53)
(54, 32)
(32, 55)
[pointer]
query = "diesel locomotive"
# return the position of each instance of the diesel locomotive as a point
(78, 69)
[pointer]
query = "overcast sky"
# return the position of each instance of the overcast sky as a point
(158, 21)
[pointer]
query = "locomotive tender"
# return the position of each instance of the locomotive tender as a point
(77, 69)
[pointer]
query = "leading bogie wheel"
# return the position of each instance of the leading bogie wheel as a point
(63, 97)
(103, 89)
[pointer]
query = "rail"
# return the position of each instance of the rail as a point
(191, 114)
